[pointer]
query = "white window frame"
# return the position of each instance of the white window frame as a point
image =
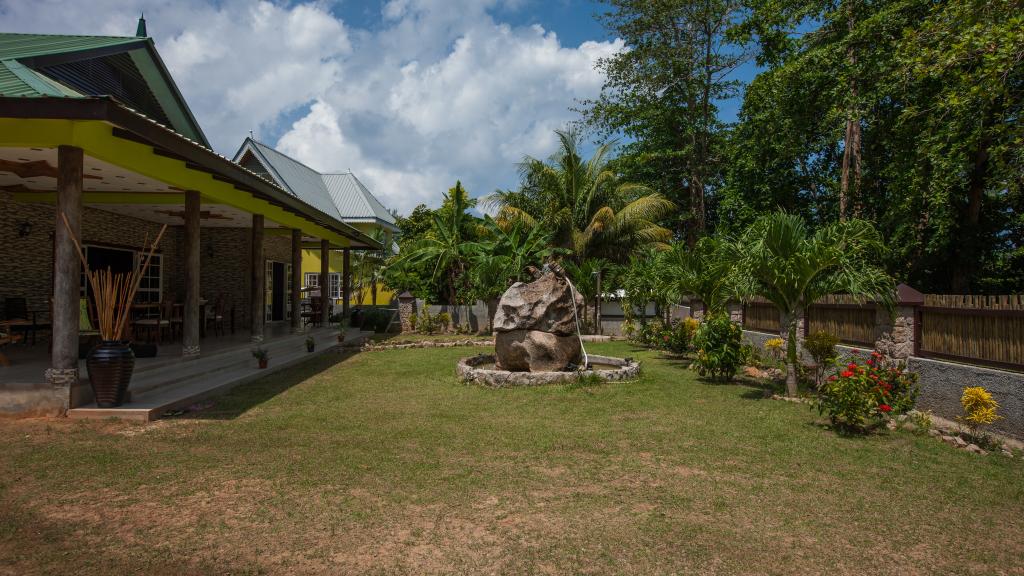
(138, 257)
(312, 280)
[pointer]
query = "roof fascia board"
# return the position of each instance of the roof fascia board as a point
(250, 146)
(171, 93)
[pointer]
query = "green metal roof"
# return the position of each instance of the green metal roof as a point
(30, 45)
(22, 56)
(341, 195)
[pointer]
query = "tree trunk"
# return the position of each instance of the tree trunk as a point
(789, 324)
(967, 237)
(851, 140)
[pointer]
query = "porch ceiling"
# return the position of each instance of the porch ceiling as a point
(139, 168)
(31, 175)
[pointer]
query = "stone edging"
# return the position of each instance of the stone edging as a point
(370, 346)
(467, 372)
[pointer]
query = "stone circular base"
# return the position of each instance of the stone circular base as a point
(468, 370)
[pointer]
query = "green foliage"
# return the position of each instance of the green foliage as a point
(706, 271)
(502, 254)
(718, 344)
(444, 320)
(822, 348)
(781, 260)
(862, 394)
(585, 206)
(661, 92)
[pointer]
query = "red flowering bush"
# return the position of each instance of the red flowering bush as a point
(860, 395)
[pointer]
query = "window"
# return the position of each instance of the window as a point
(124, 261)
(313, 281)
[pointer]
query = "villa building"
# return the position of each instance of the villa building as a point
(94, 129)
(339, 194)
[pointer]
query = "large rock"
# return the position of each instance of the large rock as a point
(536, 351)
(546, 305)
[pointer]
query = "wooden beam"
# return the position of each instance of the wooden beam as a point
(325, 281)
(190, 320)
(296, 281)
(257, 287)
(66, 271)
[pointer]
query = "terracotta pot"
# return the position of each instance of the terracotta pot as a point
(110, 365)
(263, 363)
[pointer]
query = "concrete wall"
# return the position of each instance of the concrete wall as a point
(942, 383)
(473, 315)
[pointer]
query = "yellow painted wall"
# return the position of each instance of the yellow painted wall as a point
(311, 263)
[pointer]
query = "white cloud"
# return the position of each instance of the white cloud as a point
(439, 92)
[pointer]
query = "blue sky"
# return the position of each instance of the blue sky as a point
(411, 95)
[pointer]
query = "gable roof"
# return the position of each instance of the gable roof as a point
(40, 65)
(341, 194)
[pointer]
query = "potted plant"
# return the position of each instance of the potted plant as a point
(262, 356)
(310, 344)
(112, 362)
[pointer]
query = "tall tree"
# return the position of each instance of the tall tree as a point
(661, 92)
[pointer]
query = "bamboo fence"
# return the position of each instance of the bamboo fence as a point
(981, 329)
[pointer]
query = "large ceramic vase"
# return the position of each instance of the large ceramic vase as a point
(110, 371)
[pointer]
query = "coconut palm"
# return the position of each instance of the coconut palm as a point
(583, 203)
(780, 259)
(706, 271)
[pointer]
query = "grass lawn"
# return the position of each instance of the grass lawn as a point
(381, 462)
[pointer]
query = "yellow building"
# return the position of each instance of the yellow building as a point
(340, 195)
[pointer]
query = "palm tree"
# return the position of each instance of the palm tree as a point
(706, 271)
(782, 261)
(583, 203)
(445, 248)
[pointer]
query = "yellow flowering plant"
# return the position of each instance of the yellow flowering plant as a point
(979, 407)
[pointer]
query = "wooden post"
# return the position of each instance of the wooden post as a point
(346, 281)
(191, 317)
(257, 287)
(296, 281)
(325, 282)
(63, 372)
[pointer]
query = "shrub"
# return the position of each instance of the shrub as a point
(775, 348)
(427, 322)
(650, 334)
(680, 335)
(979, 408)
(412, 321)
(444, 320)
(719, 349)
(822, 347)
(382, 321)
(861, 396)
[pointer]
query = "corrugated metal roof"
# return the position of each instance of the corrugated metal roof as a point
(28, 45)
(302, 181)
(341, 195)
(354, 201)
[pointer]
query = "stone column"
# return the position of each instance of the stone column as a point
(325, 282)
(346, 281)
(896, 333)
(406, 310)
(296, 281)
(697, 309)
(191, 317)
(63, 372)
(257, 285)
(735, 310)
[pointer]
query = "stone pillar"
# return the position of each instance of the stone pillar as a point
(257, 286)
(191, 317)
(406, 310)
(697, 310)
(296, 281)
(346, 282)
(735, 310)
(325, 282)
(896, 333)
(63, 372)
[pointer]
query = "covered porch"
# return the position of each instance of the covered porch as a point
(226, 275)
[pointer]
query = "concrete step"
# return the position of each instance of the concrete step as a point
(237, 368)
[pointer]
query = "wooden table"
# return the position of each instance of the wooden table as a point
(147, 306)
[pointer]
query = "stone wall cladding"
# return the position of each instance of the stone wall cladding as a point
(26, 264)
(27, 268)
